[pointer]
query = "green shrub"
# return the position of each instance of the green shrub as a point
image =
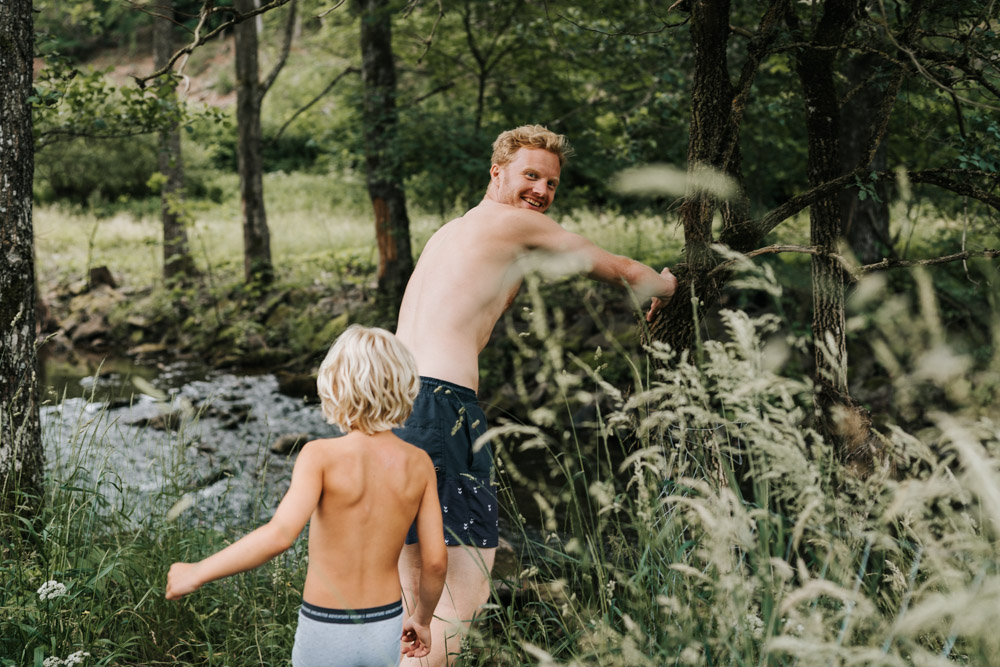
(85, 171)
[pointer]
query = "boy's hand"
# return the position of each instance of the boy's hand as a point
(181, 580)
(418, 638)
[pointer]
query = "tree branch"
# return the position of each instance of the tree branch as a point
(853, 270)
(440, 89)
(207, 11)
(778, 248)
(757, 49)
(938, 177)
(430, 38)
(304, 108)
(900, 263)
(286, 47)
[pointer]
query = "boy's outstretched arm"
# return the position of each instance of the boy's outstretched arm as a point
(264, 543)
(433, 566)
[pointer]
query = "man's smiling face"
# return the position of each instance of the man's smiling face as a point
(528, 181)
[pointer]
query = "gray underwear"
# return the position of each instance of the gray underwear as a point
(348, 637)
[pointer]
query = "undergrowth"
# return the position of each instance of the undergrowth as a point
(692, 515)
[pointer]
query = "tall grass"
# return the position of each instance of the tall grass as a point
(87, 574)
(702, 520)
(692, 515)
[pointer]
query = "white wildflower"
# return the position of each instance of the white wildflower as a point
(755, 625)
(76, 658)
(52, 661)
(51, 589)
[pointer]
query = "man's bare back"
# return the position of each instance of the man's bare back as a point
(466, 277)
(470, 272)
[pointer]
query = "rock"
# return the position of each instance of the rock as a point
(290, 443)
(77, 288)
(167, 421)
(90, 330)
(101, 275)
(98, 300)
(148, 350)
(298, 385)
(213, 477)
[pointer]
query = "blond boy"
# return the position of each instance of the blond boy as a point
(360, 493)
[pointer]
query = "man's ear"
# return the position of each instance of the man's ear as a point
(494, 171)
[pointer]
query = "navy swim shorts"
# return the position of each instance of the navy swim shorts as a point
(445, 423)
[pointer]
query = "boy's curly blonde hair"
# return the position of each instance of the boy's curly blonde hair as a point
(530, 136)
(368, 381)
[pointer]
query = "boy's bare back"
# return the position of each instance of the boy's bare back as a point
(373, 487)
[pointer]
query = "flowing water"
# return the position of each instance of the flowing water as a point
(155, 439)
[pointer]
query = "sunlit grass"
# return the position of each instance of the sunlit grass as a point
(321, 232)
(691, 516)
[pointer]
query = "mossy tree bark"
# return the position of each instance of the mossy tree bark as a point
(382, 158)
(814, 65)
(717, 107)
(21, 457)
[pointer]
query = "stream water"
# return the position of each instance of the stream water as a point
(151, 440)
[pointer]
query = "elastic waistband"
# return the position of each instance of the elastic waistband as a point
(464, 393)
(370, 615)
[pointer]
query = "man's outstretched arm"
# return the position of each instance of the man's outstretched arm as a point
(539, 232)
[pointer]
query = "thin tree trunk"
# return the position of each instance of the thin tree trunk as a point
(845, 422)
(865, 222)
(21, 460)
(177, 260)
(256, 238)
(815, 70)
(382, 155)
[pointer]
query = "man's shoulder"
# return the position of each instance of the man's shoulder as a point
(506, 220)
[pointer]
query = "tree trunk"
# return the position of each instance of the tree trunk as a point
(815, 71)
(383, 161)
(256, 239)
(177, 261)
(21, 461)
(865, 222)
(711, 102)
(845, 422)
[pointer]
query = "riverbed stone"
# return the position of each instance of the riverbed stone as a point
(290, 443)
(101, 275)
(147, 350)
(298, 385)
(89, 331)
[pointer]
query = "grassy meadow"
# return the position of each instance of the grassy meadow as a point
(686, 513)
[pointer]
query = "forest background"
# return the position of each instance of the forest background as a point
(767, 473)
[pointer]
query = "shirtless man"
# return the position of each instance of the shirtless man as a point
(466, 277)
